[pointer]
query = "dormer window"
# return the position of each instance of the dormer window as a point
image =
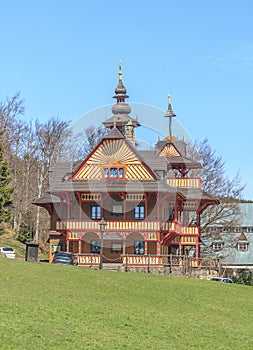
(217, 245)
(242, 246)
(115, 172)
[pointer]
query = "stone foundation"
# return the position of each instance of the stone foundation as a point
(202, 273)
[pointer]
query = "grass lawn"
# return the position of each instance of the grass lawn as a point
(44, 306)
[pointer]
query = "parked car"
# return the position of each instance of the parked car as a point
(221, 279)
(7, 252)
(63, 258)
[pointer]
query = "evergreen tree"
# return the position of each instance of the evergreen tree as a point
(5, 191)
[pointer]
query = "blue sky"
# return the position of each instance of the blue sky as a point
(63, 57)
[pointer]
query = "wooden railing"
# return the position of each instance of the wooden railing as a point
(151, 260)
(184, 182)
(190, 230)
(75, 226)
(187, 261)
(142, 260)
(117, 225)
(87, 259)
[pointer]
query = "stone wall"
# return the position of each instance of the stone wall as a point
(202, 273)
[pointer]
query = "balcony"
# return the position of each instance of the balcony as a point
(121, 226)
(117, 225)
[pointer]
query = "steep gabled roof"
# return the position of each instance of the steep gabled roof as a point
(114, 149)
(179, 145)
(242, 238)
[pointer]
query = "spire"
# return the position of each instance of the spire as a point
(120, 90)
(170, 114)
(120, 70)
(121, 110)
(121, 107)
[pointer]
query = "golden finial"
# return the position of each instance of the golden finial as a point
(168, 101)
(120, 70)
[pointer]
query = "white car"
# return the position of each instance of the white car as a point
(7, 252)
(221, 279)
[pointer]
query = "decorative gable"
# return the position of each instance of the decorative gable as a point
(169, 150)
(242, 244)
(113, 154)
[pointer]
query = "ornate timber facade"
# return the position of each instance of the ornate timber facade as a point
(148, 210)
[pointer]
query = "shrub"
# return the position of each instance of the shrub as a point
(246, 277)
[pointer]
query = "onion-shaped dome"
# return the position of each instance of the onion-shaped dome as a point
(121, 108)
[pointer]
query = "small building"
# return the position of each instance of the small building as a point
(149, 204)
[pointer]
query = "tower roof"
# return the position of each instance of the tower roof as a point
(121, 109)
(120, 90)
(170, 112)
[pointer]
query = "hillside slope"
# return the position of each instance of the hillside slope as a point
(46, 306)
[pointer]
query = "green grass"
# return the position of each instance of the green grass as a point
(44, 306)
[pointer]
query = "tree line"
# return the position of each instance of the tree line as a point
(27, 148)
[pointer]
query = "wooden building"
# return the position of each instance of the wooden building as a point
(149, 204)
(232, 245)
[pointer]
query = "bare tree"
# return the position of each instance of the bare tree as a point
(215, 182)
(93, 137)
(11, 109)
(48, 136)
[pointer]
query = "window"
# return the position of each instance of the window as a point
(217, 245)
(225, 229)
(249, 229)
(106, 173)
(117, 208)
(242, 246)
(121, 173)
(139, 247)
(95, 247)
(237, 229)
(139, 212)
(114, 173)
(95, 212)
(171, 214)
(116, 247)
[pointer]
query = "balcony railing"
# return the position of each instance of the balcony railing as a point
(184, 182)
(117, 225)
(153, 226)
(190, 230)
